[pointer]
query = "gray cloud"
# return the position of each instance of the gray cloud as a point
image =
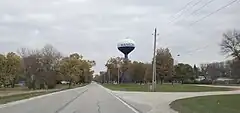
(93, 27)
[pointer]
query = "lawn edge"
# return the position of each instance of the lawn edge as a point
(224, 89)
(172, 105)
(18, 101)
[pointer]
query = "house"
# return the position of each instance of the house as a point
(200, 78)
(224, 80)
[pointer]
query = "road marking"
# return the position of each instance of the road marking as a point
(34, 98)
(121, 100)
(64, 106)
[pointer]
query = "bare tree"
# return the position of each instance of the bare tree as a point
(50, 58)
(213, 71)
(231, 44)
(235, 69)
(40, 65)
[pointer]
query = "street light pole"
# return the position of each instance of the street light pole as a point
(154, 61)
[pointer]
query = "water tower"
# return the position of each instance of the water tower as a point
(126, 46)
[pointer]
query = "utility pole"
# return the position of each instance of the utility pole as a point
(154, 61)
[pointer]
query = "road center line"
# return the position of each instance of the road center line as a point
(64, 106)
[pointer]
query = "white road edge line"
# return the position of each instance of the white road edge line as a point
(34, 98)
(126, 104)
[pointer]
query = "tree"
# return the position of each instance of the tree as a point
(3, 68)
(231, 44)
(13, 67)
(87, 72)
(137, 71)
(203, 70)
(148, 72)
(184, 72)
(164, 64)
(40, 66)
(43, 68)
(212, 71)
(69, 67)
(50, 58)
(112, 68)
(196, 71)
(10, 67)
(75, 69)
(235, 69)
(32, 67)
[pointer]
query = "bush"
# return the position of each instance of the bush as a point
(226, 82)
(188, 82)
(203, 82)
(51, 86)
(198, 82)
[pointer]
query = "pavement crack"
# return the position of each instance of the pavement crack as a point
(99, 109)
(64, 106)
(75, 112)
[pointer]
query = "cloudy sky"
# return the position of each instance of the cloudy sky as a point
(93, 27)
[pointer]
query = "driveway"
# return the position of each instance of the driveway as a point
(158, 102)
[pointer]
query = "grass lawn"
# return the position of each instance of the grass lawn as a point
(6, 99)
(164, 88)
(208, 104)
(28, 94)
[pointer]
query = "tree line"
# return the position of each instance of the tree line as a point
(43, 68)
(167, 71)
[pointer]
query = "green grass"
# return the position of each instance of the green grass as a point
(6, 99)
(164, 88)
(208, 104)
(25, 95)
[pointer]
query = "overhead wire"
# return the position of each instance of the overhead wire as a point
(197, 49)
(219, 9)
(190, 7)
(183, 8)
(200, 8)
(208, 15)
(203, 6)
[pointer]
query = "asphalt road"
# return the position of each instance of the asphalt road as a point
(89, 99)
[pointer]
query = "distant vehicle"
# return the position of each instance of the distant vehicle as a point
(21, 83)
(65, 82)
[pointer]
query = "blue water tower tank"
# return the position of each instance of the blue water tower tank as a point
(126, 46)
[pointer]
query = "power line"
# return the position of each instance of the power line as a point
(173, 17)
(189, 52)
(187, 10)
(198, 49)
(204, 5)
(207, 3)
(183, 8)
(221, 8)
